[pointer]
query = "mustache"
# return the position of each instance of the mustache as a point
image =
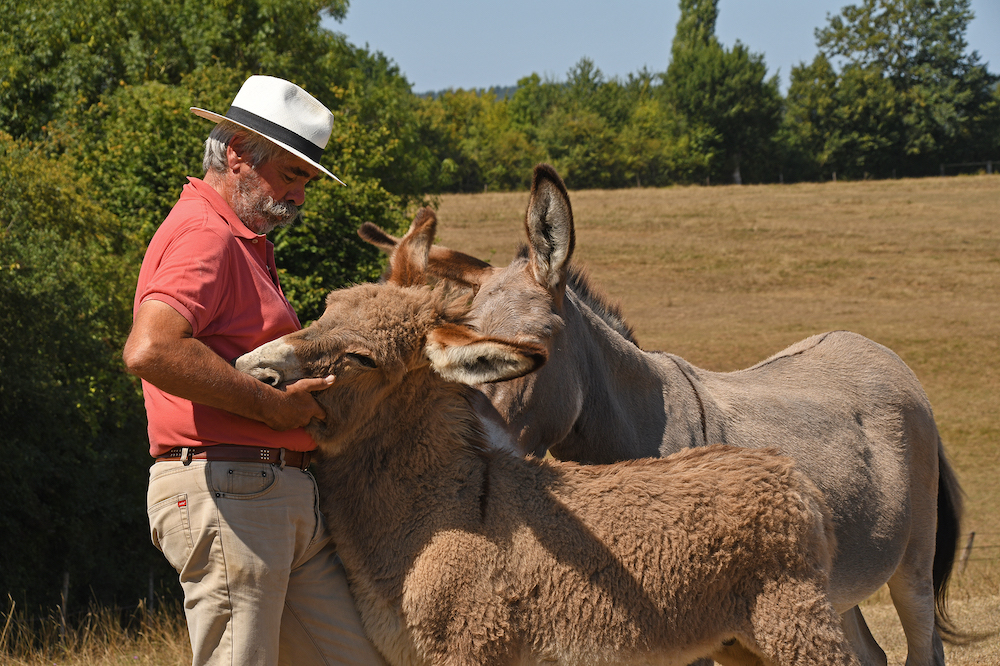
(281, 212)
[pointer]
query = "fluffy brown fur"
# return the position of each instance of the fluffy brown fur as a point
(462, 554)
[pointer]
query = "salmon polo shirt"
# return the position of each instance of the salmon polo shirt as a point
(221, 276)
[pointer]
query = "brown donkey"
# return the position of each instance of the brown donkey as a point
(460, 553)
(846, 409)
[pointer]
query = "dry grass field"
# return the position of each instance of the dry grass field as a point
(726, 276)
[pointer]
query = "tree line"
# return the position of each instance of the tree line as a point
(891, 92)
(96, 140)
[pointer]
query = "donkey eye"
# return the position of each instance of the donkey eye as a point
(361, 359)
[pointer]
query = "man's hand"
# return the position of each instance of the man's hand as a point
(300, 407)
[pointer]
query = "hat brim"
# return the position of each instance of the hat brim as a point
(215, 118)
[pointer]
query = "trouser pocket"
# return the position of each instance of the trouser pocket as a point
(170, 529)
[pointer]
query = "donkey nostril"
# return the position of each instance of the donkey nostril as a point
(267, 375)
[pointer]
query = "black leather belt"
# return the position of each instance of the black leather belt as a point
(236, 453)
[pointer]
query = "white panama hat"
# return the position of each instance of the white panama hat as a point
(283, 113)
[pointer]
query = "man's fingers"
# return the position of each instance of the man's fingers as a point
(311, 384)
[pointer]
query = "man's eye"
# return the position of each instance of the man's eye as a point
(361, 359)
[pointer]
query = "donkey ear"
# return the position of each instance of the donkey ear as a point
(374, 235)
(549, 224)
(458, 267)
(442, 262)
(409, 260)
(460, 355)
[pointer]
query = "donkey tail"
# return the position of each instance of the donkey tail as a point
(949, 522)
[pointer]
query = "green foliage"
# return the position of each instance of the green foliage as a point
(905, 99)
(367, 93)
(907, 96)
(476, 143)
(809, 133)
(60, 54)
(658, 148)
(138, 143)
(74, 446)
(598, 133)
(532, 100)
(724, 93)
(696, 26)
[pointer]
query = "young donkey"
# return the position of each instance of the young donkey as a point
(461, 553)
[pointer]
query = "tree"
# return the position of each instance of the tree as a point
(532, 100)
(846, 124)
(722, 92)
(64, 53)
(64, 56)
(657, 148)
(74, 431)
(137, 140)
(907, 98)
(581, 146)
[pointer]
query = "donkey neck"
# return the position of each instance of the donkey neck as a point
(631, 400)
(409, 473)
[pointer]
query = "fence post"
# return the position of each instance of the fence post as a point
(62, 606)
(967, 551)
(151, 604)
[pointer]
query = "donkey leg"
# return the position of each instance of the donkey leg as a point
(861, 639)
(913, 596)
(794, 624)
(912, 586)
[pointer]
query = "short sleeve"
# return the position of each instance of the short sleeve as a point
(192, 276)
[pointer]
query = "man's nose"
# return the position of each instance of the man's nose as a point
(297, 195)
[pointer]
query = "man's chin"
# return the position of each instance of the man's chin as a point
(286, 221)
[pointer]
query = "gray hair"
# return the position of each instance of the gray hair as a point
(259, 149)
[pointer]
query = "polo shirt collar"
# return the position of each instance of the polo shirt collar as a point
(221, 206)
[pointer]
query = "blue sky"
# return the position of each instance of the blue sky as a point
(443, 44)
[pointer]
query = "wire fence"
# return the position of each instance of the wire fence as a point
(978, 547)
(968, 167)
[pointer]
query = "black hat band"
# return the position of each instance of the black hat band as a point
(275, 131)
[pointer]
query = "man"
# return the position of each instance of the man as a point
(230, 502)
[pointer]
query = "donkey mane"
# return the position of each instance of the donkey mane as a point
(579, 281)
(611, 313)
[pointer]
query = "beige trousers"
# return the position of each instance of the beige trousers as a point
(262, 582)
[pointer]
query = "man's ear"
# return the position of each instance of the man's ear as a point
(236, 155)
(460, 355)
